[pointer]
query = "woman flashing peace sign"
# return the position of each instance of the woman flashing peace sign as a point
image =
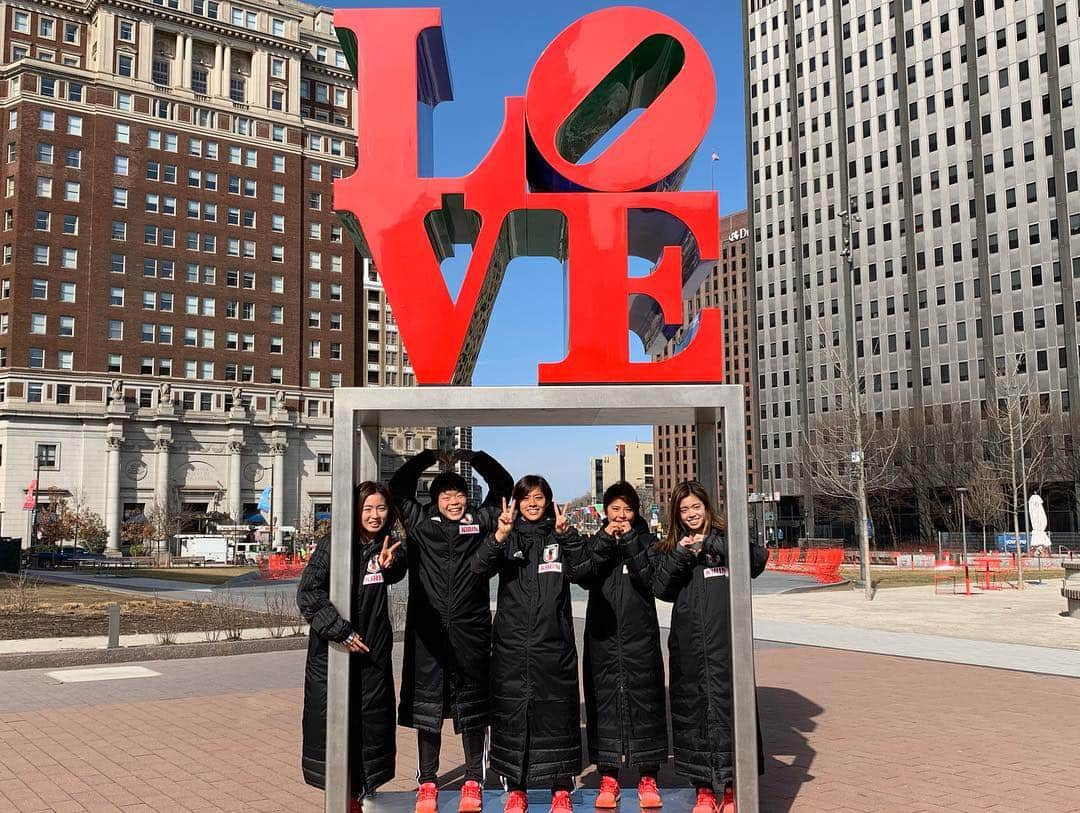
(535, 729)
(378, 562)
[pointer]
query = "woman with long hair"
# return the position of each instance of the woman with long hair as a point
(692, 573)
(535, 719)
(378, 562)
(625, 712)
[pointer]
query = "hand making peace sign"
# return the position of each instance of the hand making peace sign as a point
(386, 555)
(506, 521)
(562, 523)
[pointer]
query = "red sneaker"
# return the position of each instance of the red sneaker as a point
(728, 805)
(427, 798)
(472, 798)
(560, 802)
(648, 794)
(608, 798)
(517, 802)
(706, 801)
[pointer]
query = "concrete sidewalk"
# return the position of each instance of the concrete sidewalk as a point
(1029, 617)
(843, 731)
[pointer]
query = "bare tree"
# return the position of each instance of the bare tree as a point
(848, 453)
(1018, 440)
(311, 530)
(985, 500)
(935, 458)
(166, 521)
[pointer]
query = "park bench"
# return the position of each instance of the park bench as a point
(1071, 589)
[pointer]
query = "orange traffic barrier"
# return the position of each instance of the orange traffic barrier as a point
(279, 566)
(821, 564)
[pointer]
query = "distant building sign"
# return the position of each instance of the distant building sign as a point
(738, 234)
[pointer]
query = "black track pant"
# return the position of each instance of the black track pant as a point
(429, 744)
(645, 770)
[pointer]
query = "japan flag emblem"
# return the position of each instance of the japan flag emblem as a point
(551, 553)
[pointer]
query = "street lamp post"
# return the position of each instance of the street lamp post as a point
(848, 216)
(963, 540)
(37, 492)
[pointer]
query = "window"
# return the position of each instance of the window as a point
(67, 326)
(323, 463)
(126, 31)
(46, 119)
(36, 358)
(125, 65)
(21, 22)
(37, 323)
(116, 329)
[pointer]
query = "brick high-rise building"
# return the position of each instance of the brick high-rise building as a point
(177, 296)
(728, 286)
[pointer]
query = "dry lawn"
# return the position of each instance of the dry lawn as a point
(45, 610)
(895, 577)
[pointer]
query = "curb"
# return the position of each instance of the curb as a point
(155, 652)
(843, 584)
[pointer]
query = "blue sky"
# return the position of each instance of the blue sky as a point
(492, 46)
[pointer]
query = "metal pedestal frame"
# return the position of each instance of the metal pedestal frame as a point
(359, 412)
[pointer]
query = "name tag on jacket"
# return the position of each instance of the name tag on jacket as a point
(373, 578)
(711, 572)
(468, 529)
(551, 567)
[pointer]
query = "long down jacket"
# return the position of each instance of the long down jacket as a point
(699, 649)
(625, 709)
(448, 623)
(371, 679)
(535, 699)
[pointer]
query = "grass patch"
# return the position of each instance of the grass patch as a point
(49, 610)
(199, 575)
(895, 577)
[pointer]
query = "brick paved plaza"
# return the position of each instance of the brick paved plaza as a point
(844, 731)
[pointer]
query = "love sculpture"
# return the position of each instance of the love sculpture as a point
(533, 195)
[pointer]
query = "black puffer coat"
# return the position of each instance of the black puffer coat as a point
(448, 624)
(535, 699)
(371, 678)
(625, 712)
(699, 649)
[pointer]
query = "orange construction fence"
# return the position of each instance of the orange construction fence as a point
(280, 566)
(822, 564)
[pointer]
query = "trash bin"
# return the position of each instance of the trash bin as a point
(10, 553)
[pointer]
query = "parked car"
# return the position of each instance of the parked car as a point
(63, 557)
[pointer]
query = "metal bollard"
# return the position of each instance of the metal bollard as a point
(114, 625)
